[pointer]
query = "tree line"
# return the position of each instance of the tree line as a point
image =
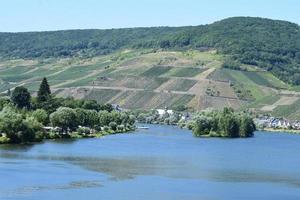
(24, 118)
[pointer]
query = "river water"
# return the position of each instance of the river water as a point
(162, 163)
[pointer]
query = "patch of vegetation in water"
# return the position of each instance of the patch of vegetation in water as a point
(222, 124)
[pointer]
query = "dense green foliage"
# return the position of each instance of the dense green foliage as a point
(21, 97)
(18, 127)
(208, 123)
(44, 91)
(25, 120)
(153, 117)
(270, 44)
(223, 124)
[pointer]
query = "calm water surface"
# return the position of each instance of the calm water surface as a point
(161, 163)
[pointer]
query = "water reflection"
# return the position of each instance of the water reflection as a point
(16, 147)
(130, 167)
(39, 188)
(164, 160)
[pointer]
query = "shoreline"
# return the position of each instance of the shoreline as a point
(72, 136)
(272, 130)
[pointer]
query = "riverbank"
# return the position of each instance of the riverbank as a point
(280, 130)
(73, 135)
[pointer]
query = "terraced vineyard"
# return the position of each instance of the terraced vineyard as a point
(147, 79)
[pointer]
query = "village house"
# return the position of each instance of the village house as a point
(277, 123)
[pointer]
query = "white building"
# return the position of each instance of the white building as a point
(164, 111)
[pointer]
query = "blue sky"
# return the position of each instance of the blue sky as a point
(40, 15)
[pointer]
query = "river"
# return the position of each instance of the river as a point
(162, 163)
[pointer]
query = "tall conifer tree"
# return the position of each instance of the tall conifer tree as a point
(44, 91)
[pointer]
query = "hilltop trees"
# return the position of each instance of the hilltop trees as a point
(21, 97)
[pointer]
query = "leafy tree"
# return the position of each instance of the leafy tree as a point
(44, 92)
(91, 105)
(104, 118)
(247, 126)
(11, 124)
(116, 117)
(72, 103)
(51, 105)
(21, 97)
(41, 116)
(131, 119)
(34, 131)
(107, 107)
(113, 126)
(16, 128)
(92, 118)
(202, 126)
(142, 117)
(3, 102)
(81, 116)
(65, 118)
(228, 123)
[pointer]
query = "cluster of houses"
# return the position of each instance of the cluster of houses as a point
(183, 116)
(277, 123)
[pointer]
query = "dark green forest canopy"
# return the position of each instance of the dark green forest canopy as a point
(269, 44)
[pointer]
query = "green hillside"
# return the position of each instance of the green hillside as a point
(149, 78)
(269, 44)
(237, 62)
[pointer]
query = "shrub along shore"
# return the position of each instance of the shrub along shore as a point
(25, 119)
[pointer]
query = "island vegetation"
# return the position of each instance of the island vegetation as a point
(207, 123)
(224, 123)
(26, 119)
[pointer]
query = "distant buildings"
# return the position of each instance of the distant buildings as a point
(164, 111)
(277, 123)
(184, 116)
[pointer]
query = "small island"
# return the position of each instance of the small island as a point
(223, 124)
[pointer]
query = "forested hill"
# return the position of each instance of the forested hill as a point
(270, 44)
